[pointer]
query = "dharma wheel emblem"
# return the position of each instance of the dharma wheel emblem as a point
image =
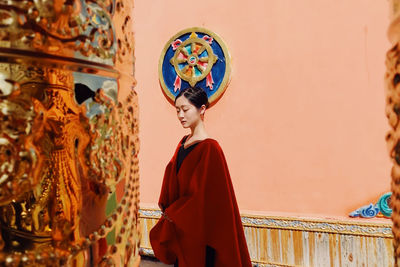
(194, 57)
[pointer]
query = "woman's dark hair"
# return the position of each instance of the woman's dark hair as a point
(195, 95)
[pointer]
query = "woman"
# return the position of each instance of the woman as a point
(200, 224)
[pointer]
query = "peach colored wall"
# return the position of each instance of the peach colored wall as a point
(302, 123)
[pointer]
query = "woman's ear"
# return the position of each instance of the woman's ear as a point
(202, 109)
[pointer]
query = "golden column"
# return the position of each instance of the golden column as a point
(392, 80)
(68, 134)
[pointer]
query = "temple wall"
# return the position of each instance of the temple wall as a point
(302, 123)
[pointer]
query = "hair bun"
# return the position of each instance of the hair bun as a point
(196, 95)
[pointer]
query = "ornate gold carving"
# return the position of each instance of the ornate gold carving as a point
(60, 27)
(394, 8)
(392, 79)
(68, 134)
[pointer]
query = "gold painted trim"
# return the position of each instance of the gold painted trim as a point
(225, 82)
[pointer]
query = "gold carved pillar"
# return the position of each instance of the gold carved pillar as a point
(392, 80)
(68, 134)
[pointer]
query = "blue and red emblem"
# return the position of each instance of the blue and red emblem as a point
(194, 57)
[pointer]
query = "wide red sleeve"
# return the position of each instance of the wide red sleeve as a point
(208, 215)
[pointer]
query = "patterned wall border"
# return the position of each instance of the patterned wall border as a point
(374, 229)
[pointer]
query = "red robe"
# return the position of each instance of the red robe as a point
(200, 207)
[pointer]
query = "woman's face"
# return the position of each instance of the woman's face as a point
(188, 114)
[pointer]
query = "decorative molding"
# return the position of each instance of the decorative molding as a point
(380, 209)
(301, 224)
(146, 252)
(150, 213)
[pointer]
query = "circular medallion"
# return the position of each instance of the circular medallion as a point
(194, 57)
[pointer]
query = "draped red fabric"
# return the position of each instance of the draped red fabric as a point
(200, 209)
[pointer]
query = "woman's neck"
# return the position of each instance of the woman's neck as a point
(198, 132)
